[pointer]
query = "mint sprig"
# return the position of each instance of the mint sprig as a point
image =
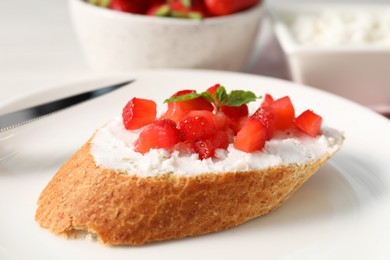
(235, 98)
(205, 95)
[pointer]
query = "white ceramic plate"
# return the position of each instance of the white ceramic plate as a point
(342, 212)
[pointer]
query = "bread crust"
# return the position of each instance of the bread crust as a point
(129, 210)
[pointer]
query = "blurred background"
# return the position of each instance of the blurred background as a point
(39, 47)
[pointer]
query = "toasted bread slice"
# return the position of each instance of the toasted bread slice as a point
(128, 209)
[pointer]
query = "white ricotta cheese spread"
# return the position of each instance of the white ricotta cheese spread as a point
(341, 28)
(112, 148)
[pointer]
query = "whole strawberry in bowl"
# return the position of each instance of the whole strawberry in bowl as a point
(121, 35)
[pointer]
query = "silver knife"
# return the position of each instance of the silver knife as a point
(24, 116)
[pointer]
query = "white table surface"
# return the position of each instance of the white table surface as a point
(39, 49)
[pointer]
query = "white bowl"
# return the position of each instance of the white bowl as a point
(360, 73)
(116, 41)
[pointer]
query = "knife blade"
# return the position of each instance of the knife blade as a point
(24, 116)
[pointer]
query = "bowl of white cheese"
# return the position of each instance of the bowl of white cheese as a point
(341, 48)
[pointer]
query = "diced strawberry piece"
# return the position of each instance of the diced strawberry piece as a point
(222, 121)
(198, 124)
(174, 113)
(158, 9)
(199, 6)
(179, 93)
(130, 6)
(309, 122)
(213, 90)
(251, 137)
(178, 6)
(275, 114)
(161, 134)
(225, 7)
(221, 139)
(265, 115)
(268, 100)
(284, 113)
(239, 124)
(177, 110)
(120, 5)
(197, 104)
(231, 135)
(185, 147)
(235, 112)
(138, 113)
(206, 147)
(182, 93)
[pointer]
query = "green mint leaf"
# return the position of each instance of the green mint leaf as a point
(182, 97)
(237, 98)
(221, 94)
(205, 95)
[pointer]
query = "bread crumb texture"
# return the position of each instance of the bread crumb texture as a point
(128, 210)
